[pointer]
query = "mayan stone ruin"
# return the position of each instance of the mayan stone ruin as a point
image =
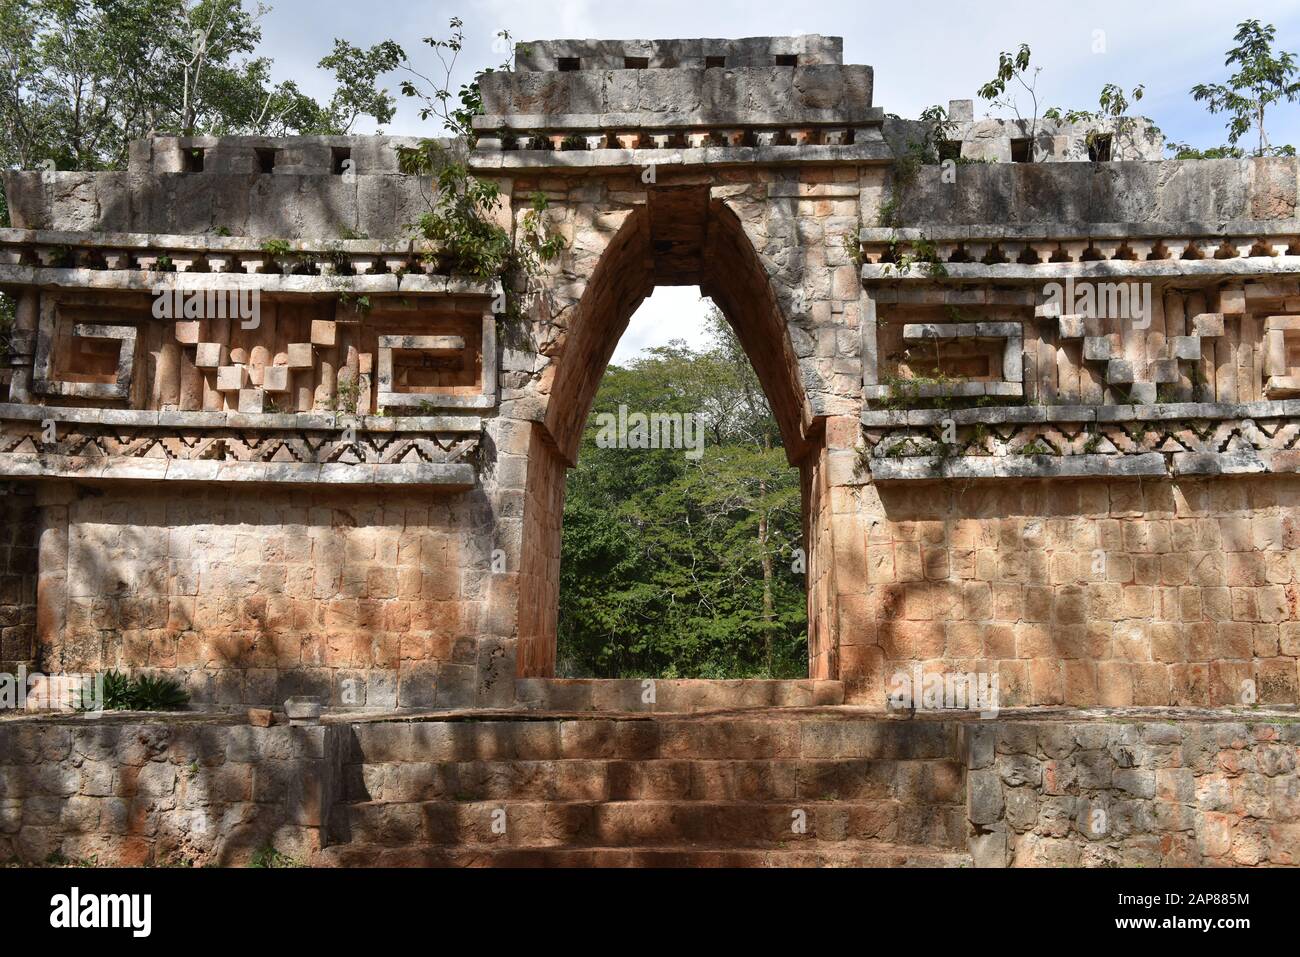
(1046, 420)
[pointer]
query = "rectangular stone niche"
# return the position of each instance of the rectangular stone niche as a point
(970, 358)
(85, 360)
(1282, 357)
(432, 372)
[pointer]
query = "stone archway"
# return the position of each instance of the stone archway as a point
(683, 235)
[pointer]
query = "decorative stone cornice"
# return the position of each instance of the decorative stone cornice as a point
(1178, 439)
(1103, 249)
(307, 449)
(145, 261)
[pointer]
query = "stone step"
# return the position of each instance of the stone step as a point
(770, 735)
(661, 695)
(652, 823)
(582, 779)
(811, 854)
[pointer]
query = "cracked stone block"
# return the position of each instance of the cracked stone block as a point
(232, 378)
(1071, 327)
(210, 355)
(275, 379)
(1187, 348)
(1208, 324)
(251, 400)
(1097, 348)
(1119, 371)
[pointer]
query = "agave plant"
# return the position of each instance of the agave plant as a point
(146, 693)
(117, 691)
(158, 693)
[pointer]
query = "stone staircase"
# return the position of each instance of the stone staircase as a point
(820, 786)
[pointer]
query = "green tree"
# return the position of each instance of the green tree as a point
(1262, 78)
(680, 567)
(357, 93)
(80, 79)
(1184, 151)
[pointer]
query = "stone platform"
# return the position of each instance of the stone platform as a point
(774, 786)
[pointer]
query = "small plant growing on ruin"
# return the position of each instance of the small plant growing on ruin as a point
(1111, 114)
(269, 857)
(903, 448)
(347, 395)
(1035, 447)
(460, 226)
(936, 129)
(6, 326)
(436, 93)
(1014, 68)
(923, 254)
(853, 245)
(277, 248)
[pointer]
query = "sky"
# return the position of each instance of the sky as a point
(923, 53)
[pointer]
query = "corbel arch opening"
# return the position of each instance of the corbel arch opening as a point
(682, 236)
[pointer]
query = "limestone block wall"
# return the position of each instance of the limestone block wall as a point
(1153, 793)
(990, 139)
(1102, 592)
(18, 574)
(545, 55)
(197, 791)
(1059, 194)
(288, 206)
(367, 599)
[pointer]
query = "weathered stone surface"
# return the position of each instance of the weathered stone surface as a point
(1119, 533)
